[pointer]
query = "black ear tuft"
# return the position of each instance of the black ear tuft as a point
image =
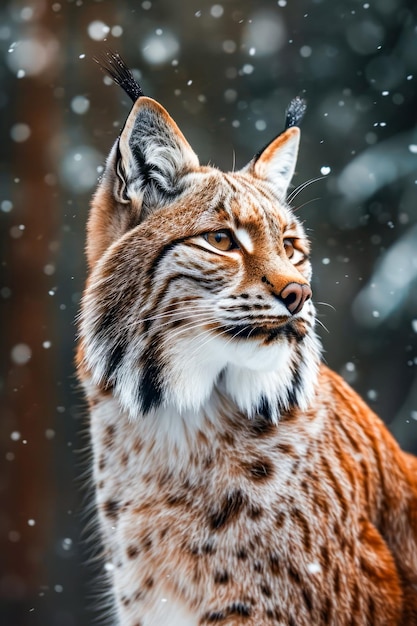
(112, 63)
(295, 112)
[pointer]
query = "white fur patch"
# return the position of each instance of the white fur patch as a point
(247, 386)
(167, 610)
(245, 239)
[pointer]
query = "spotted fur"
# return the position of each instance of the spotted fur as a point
(238, 480)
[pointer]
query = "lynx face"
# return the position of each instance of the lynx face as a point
(199, 278)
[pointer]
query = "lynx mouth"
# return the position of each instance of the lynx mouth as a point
(293, 329)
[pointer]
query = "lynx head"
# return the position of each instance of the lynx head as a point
(197, 278)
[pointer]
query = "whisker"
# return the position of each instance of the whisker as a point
(194, 323)
(190, 312)
(322, 325)
(214, 336)
(301, 187)
(193, 318)
(243, 329)
(152, 318)
(203, 338)
(224, 332)
(326, 304)
(305, 204)
(175, 317)
(190, 326)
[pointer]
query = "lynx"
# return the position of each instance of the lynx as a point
(238, 480)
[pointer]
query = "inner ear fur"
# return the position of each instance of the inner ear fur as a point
(276, 162)
(153, 151)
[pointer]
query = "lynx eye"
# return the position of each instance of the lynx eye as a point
(220, 239)
(289, 247)
(294, 254)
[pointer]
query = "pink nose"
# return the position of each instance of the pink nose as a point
(294, 296)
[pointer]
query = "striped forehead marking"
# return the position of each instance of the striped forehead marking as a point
(245, 239)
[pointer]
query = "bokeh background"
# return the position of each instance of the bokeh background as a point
(226, 72)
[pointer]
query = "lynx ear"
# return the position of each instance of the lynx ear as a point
(143, 171)
(276, 163)
(153, 154)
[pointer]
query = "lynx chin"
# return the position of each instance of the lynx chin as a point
(238, 481)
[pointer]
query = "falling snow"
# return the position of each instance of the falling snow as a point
(21, 354)
(98, 30)
(80, 104)
(227, 72)
(20, 132)
(314, 568)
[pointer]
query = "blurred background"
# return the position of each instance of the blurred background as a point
(226, 73)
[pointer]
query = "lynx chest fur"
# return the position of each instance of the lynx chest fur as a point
(238, 480)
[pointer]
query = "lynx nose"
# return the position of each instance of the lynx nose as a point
(294, 296)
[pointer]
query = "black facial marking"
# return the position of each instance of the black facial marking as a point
(159, 257)
(296, 386)
(250, 331)
(266, 281)
(264, 409)
(150, 386)
(242, 331)
(283, 408)
(291, 331)
(106, 330)
(114, 359)
(107, 321)
(214, 286)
